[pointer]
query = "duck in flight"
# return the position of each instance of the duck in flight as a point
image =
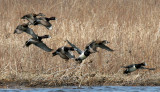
(32, 17)
(39, 43)
(45, 22)
(34, 20)
(98, 43)
(134, 67)
(25, 28)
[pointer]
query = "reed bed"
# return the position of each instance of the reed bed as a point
(131, 26)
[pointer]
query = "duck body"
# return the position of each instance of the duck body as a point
(134, 67)
(83, 56)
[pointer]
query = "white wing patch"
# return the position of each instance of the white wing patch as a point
(82, 56)
(50, 28)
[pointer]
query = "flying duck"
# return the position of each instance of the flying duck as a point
(32, 17)
(45, 22)
(134, 67)
(64, 52)
(101, 44)
(25, 28)
(38, 42)
(83, 54)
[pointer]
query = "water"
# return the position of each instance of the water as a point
(89, 89)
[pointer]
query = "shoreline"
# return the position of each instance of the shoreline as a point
(52, 84)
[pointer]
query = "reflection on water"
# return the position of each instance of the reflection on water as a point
(89, 89)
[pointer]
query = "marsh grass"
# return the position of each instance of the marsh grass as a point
(131, 26)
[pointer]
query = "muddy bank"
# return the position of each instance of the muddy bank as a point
(76, 78)
(59, 83)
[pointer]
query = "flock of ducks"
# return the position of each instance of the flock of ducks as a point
(64, 52)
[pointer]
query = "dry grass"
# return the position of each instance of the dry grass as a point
(130, 25)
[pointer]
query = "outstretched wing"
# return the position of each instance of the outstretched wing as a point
(151, 68)
(44, 22)
(148, 68)
(129, 66)
(43, 46)
(18, 31)
(76, 48)
(31, 32)
(105, 47)
(29, 17)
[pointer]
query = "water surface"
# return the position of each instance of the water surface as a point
(89, 89)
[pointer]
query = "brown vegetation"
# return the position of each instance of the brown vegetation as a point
(131, 26)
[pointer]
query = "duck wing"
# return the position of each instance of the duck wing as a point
(148, 68)
(105, 47)
(17, 31)
(43, 46)
(31, 20)
(44, 22)
(151, 68)
(31, 32)
(129, 66)
(29, 17)
(76, 48)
